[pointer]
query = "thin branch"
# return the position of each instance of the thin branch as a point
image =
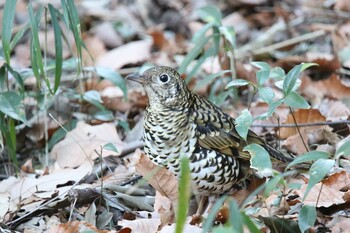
(301, 124)
(296, 124)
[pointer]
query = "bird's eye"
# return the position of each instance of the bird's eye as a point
(164, 78)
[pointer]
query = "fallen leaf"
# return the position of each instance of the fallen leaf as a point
(80, 144)
(161, 179)
(295, 143)
(127, 54)
(302, 116)
(141, 225)
(322, 195)
(338, 181)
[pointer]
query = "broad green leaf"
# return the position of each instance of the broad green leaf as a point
(261, 65)
(343, 150)
(210, 14)
(235, 217)
(58, 47)
(317, 172)
(260, 159)
(10, 105)
(110, 146)
(104, 115)
(184, 195)
(237, 83)
(272, 107)
(307, 157)
(210, 78)
(7, 26)
(277, 73)
(291, 78)
(110, 75)
(266, 94)
(281, 225)
(307, 217)
(294, 100)
(243, 123)
(307, 65)
(94, 98)
(263, 74)
(229, 33)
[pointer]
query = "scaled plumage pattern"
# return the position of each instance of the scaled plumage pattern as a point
(180, 123)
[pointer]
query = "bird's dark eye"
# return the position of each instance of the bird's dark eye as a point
(164, 78)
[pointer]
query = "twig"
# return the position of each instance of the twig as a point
(295, 40)
(296, 124)
(301, 124)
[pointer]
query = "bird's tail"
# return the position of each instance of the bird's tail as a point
(277, 154)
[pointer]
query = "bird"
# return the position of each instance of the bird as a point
(179, 123)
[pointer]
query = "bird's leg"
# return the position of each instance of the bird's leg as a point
(202, 201)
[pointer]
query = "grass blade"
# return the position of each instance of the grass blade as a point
(7, 24)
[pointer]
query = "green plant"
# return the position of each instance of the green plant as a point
(211, 41)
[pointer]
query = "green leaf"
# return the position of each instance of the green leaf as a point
(277, 73)
(17, 77)
(272, 107)
(201, 33)
(112, 76)
(110, 146)
(235, 217)
(7, 24)
(243, 123)
(94, 98)
(294, 100)
(212, 214)
(10, 105)
(210, 14)
(291, 78)
(193, 54)
(250, 224)
(307, 157)
(307, 217)
(58, 47)
(317, 172)
(184, 194)
(263, 74)
(266, 94)
(305, 66)
(209, 79)
(260, 159)
(104, 115)
(343, 150)
(272, 184)
(229, 33)
(237, 83)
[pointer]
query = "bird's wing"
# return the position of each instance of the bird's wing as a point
(216, 130)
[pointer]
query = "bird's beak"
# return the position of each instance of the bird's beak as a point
(136, 78)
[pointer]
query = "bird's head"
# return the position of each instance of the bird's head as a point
(164, 87)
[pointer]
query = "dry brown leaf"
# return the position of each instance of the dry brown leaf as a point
(338, 181)
(95, 49)
(141, 225)
(342, 226)
(330, 87)
(131, 53)
(165, 209)
(27, 167)
(161, 179)
(77, 226)
(326, 198)
(188, 228)
(342, 5)
(295, 143)
(80, 144)
(334, 110)
(302, 116)
(105, 31)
